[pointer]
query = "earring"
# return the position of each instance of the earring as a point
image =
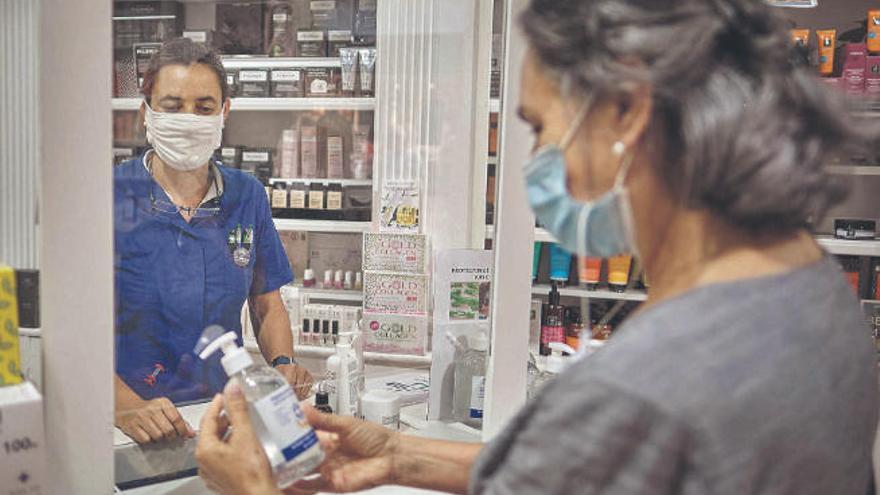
(619, 148)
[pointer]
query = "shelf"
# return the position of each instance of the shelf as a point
(592, 294)
(494, 105)
(331, 294)
(862, 170)
(369, 357)
(851, 248)
(342, 182)
(273, 104)
(252, 62)
(492, 160)
(332, 226)
(29, 332)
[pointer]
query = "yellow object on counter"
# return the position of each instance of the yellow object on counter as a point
(10, 356)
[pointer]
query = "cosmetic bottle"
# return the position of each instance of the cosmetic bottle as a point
(337, 280)
(536, 261)
(590, 272)
(309, 278)
(322, 402)
(348, 284)
(574, 329)
(279, 200)
(560, 265)
(288, 441)
(552, 325)
(619, 268)
(328, 279)
(470, 381)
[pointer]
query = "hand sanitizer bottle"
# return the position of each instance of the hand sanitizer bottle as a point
(289, 442)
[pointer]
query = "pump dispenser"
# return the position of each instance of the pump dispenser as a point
(349, 377)
(287, 439)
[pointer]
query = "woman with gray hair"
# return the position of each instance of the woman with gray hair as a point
(684, 132)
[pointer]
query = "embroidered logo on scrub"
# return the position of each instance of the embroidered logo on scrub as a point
(241, 242)
(153, 377)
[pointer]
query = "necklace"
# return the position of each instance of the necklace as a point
(188, 211)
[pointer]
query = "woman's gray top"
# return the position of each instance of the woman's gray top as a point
(762, 386)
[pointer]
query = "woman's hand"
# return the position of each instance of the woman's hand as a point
(359, 455)
(234, 463)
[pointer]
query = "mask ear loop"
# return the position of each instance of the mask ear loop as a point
(568, 137)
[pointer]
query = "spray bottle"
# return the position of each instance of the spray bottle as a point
(289, 442)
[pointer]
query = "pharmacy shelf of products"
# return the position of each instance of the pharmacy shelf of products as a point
(274, 104)
(332, 294)
(375, 358)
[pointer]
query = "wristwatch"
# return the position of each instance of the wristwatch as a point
(278, 361)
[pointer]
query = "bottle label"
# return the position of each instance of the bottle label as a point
(286, 423)
(279, 198)
(478, 392)
(286, 75)
(255, 156)
(309, 152)
(298, 199)
(279, 17)
(334, 200)
(552, 334)
(316, 200)
(323, 5)
(310, 36)
(253, 75)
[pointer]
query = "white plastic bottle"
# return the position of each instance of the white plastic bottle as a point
(349, 376)
(289, 442)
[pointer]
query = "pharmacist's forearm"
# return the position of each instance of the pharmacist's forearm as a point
(123, 395)
(274, 335)
(434, 464)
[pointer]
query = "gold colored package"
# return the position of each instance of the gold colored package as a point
(10, 356)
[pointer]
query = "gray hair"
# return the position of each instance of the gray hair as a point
(745, 128)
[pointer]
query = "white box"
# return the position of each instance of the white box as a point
(396, 293)
(22, 441)
(395, 252)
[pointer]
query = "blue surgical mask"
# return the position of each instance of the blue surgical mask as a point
(600, 228)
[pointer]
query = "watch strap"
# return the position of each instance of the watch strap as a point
(279, 360)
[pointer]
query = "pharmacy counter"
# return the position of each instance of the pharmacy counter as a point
(170, 468)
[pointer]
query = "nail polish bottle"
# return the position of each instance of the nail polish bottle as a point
(349, 280)
(309, 278)
(358, 281)
(328, 279)
(337, 280)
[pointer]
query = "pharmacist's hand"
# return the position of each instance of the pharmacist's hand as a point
(147, 421)
(359, 455)
(299, 378)
(232, 463)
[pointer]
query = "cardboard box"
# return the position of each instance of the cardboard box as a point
(22, 441)
(395, 334)
(395, 252)
(10, 357)
(854, 69)
(396, 293)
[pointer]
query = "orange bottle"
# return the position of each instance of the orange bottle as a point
(874, 31)
(827, 45)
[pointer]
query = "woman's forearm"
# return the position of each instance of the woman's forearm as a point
(434, 464)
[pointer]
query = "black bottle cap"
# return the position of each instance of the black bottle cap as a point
(554, 294)
(322, 399)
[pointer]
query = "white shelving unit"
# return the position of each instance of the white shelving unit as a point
(379, 358)
(834, 246)
(342, 182)
(331, 226)
(274, 104)
(332, 294)
(859, 170)
(639, 296)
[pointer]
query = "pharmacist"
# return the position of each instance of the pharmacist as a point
(681, 131)
(193, 241)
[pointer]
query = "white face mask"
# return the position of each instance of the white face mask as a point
(184, 141)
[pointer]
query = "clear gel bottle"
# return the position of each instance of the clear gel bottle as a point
(287, 439)
(470, 382)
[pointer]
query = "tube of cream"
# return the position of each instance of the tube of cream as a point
(827, 45)
(800, 37)
(536, 261)
(348, 58)
(368, 66)
(618, 272)
(560, 264)
(590, 271)
(874, 31)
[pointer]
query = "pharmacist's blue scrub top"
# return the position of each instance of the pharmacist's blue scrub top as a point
(173, 279)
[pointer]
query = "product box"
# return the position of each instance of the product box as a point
(872, 77)
(395, 252)
(238, 28)
(143, 53)
(855, 229)
(253, 83)
(334, 252)
(204, 36)
(22, 441)
(322, 81)
(27, 289)
(463, 284)
(395, 334)
(535, 326)
(10, 357)
(232, 82)
(395, 293)
(357, 203)
(311, 44)
(231, 156)
(287, 83)
(400, 208)
(854, 69)
(872, 315)
(257, 162)
(336, 40)
(443, 356)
